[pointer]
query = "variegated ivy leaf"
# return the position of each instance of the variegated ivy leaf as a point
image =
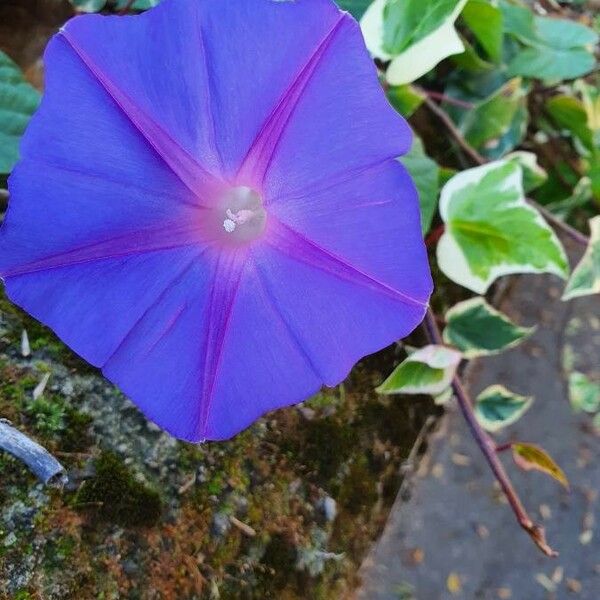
(491, 230)
(584, 394)
(414, 34)
(488, 122)
(496, 407)
(477, 329)
(89, 6)
(585, 279)
(531, 457)
(428, 370)
(533, 175)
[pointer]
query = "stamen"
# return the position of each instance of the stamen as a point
(244, 216)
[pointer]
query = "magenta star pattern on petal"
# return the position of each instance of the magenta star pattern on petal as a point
(209, 207)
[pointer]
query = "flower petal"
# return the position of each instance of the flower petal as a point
(93, 306)
(341, 123)
(371, 221)
(337, 313)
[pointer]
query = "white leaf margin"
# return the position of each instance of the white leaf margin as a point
(500, 390)
(479, 301)
(450, 257)
(421, 57)
(434, 356)
(575, 289)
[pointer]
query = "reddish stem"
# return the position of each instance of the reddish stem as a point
(503, 447)
(127, 8)
(435, 235)
(447, 99)
(488, 448)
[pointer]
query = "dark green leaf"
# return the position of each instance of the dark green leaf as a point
(425, 173)
(405, 99)
(18, 101)
(408, 21)
(496, 407)
(477, 329)
(356, 8)
(485, 21)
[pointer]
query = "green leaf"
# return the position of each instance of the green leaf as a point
(492, 231)
(584, 394)
(425, 173)
(18, 101)
(478, 329)
(569, 113)
(485, 125)
(546, 64)
(585, 279)
(533, 175)
(563, 33)
(139, 4)
(89, 6)
(469, 60)
(428, 370)
(485, 21)
(356, 8)
(407, 22)
(517, 20)
(557, 48)
(405, 99)
(496, 407)
(590, 96)
(581, 196)
(531, 457)
(415, 34)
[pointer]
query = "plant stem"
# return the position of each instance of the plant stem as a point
(434, 235)
(488, 448)
(571, 232)
(127, 8)
(443, 98)
(503, 447)
(443, 116)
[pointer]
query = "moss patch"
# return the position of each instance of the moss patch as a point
(117, 497)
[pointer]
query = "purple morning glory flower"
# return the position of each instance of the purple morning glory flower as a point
(208, 207)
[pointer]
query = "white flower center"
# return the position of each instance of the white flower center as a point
(244, 217)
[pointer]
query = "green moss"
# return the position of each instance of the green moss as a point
(279, 564)
(190, 456)
(117, 497)
(23, 595)
(57, 552)
(76, 437)
(325, 445)
(47, 414)
(359, 488)
(327, 398)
